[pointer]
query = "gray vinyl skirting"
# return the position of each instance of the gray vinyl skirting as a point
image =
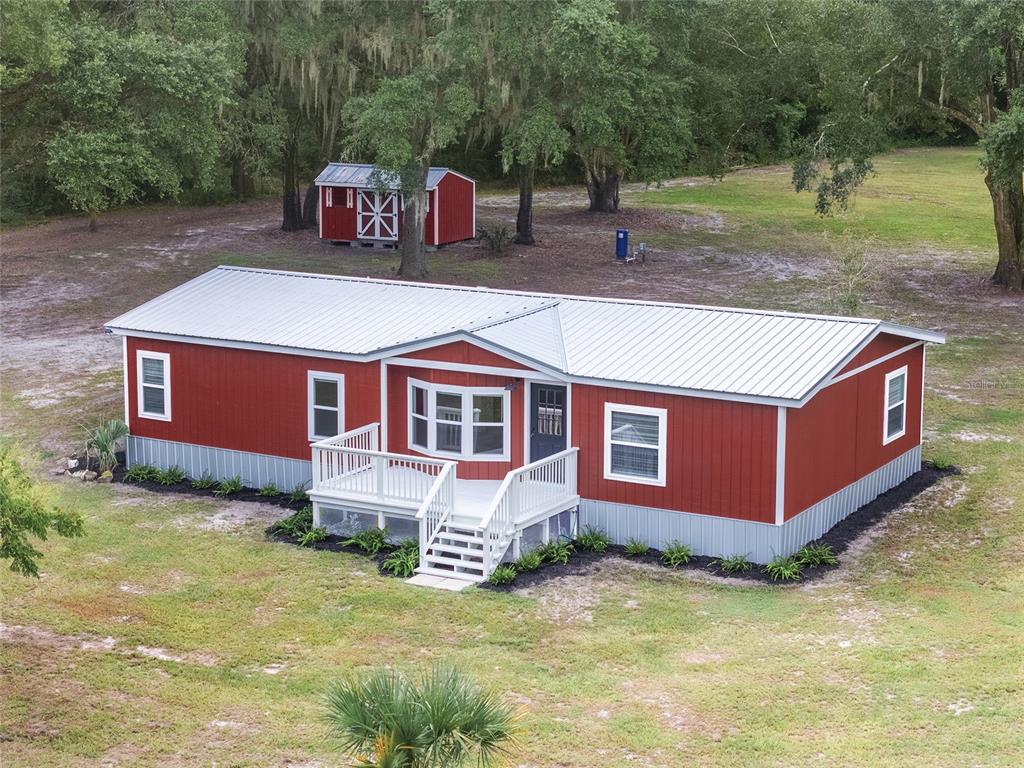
(760, 542)
(705, 534)
(255, 469)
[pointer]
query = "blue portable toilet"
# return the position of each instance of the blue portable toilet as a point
(622, 244)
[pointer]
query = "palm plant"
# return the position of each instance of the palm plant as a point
(103, 441)
(388, 720)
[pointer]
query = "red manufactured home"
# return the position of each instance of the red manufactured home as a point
(486, 422)
(354, 208)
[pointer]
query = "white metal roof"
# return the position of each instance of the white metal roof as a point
(775, 357)
(358, 175)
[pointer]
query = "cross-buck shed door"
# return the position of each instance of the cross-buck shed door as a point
(377, 215)
(547, 420)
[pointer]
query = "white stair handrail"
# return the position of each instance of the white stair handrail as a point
(515, 496)
(437, 507)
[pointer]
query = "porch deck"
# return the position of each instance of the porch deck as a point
(472, 497)
(466, 527)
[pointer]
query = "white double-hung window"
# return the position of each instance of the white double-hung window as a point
(463, 422)
(153, 371)
(894, 423)
(326, 404)
(634, 443)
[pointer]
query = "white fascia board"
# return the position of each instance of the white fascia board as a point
(229, 344)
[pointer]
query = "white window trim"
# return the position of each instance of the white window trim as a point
(329, 197)
(164, 357)
(467, 394)
(662, 415)
(312, 376)
(887, 438)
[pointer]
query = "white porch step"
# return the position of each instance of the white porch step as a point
(456, 549)
(447, 574)
(464, 538)
(455, 562)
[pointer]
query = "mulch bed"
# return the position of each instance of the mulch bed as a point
(839, 538)
(580, 562)
(334, 544)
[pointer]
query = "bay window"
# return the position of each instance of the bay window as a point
(464, 422)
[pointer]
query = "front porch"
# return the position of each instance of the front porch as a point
(465, 527)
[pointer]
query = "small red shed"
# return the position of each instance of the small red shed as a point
(354, 209)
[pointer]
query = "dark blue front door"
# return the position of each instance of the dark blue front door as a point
(547, 420)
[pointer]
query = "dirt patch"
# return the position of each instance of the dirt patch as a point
(40, 637)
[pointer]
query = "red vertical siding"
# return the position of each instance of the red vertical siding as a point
(247, 400)
(881, 345)
(464, 352)
(338, 222)
(398, 416)
(720, 460)
(836, 438)
(457, 199)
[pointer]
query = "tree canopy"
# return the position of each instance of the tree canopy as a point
(109, 103)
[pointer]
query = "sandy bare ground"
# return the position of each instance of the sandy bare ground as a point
(59, 282)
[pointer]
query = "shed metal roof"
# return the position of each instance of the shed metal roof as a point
(742, 353)
(358, 175)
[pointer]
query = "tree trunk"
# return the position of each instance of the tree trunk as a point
(603, 190)
(524, 217)
(1008, 209)
(94, 224)
(242, 183)
(311, 207)
(412, 247)
(292, 211)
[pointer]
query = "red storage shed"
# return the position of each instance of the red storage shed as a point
(354, 208)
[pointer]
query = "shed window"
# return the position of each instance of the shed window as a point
(635, 439)
(326, 405)
(329, 197)
(349, 198)
(895, 425)
(466, 422)
(154, 374)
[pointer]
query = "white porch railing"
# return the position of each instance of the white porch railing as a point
(534, 489)
(436, 508)
(351, 464)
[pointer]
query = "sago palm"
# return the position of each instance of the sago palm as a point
(442, 720)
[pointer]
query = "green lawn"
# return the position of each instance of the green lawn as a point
(162, 639)
(917, 197)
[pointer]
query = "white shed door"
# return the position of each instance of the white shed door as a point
(377, 215)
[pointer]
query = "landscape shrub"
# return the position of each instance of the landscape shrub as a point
(170, 476)
(298, 494)
(371, 540)
(204, 482)
(503, 574)
(783, 568)
(103, 442)
(497, 239)
(555, 552)
(270, 490)
(814, 555)
(530, 561)
(312, 535)
(229, 486)
(404, 561)
(140, 473)
(676, 554)
(636, 548)
(593, 540)
(733, 564)
(295, 525)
